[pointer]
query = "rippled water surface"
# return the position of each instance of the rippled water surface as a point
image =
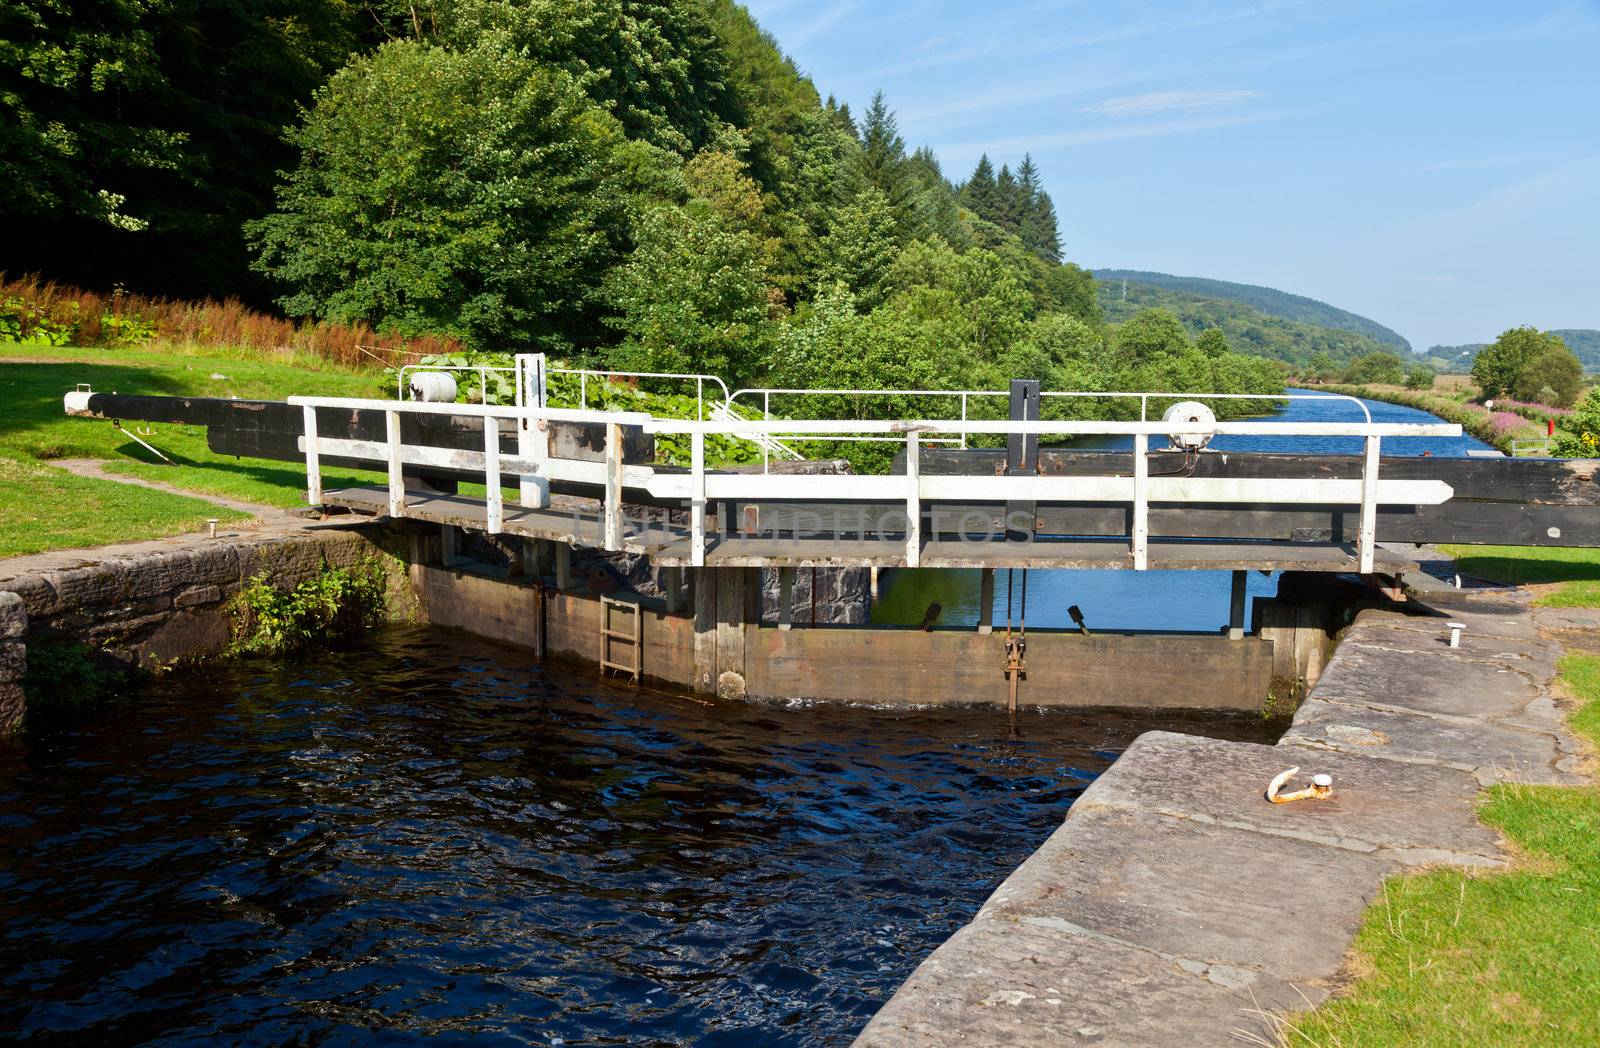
(431, 835)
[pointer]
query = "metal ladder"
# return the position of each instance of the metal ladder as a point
(630, 636)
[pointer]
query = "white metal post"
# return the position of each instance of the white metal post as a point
(1369, 505)
(313, 464)
(613, 506)
(913, 501)
(1141, 502)
(533, 490)
(397, 480)
(494, 507)
(697, 506)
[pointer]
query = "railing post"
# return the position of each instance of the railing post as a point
(1369, 506)
(533, 490)
(397, 480)
(313, 463)
(494, 500)
(913, 500)
(697, 505)
(1141, 503)
(613, 506)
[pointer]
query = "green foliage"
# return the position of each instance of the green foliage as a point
(1578, 435)
(459, 192)
(1499, 366)
(335, 604)
(1419, 376)
(653, 64)
(1212, 342)
(1016, 203)
(150, 129)
(1584, 343)
(692, 297)
(859, 248)
(1381, 368)
(63, 678)
(1248, 329)
(1270, 301)
(1550, 376)
(24, 324)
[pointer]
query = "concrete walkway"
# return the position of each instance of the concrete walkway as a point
(1176, 906)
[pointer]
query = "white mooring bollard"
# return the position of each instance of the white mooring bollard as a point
(1455, 633)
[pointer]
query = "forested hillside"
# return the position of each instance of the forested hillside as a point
(1584, 343)
(1268, 300)
(1249, 330)
(645, 184)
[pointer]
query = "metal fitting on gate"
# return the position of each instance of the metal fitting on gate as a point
(1321, 788)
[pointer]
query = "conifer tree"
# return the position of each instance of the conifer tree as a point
(884, 166)
(978, 193)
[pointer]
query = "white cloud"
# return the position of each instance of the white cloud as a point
(1036, 143)
(1168, 102)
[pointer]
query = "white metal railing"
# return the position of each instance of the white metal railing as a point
(964, 399)
(699, 486)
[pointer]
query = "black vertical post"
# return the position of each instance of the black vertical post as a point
(1022, 456)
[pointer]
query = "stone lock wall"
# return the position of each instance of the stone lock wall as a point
(163, 604)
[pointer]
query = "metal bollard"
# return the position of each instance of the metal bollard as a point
(1455, 633)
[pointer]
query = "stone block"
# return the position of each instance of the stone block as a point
(1491, 752)
(1415, 813)
(1020, 984)
(1209, 894)
(1428, 681)
(13, 616)
(195, 596)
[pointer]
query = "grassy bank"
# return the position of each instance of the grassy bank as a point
(42, 507)
(1452, 957)
(1495, 429)
(1567, 578)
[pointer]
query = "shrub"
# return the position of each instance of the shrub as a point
(63, 677)
(336, 604)
(41, 312)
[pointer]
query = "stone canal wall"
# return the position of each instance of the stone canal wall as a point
(1177, 906)
(716, 631)
(149, 604)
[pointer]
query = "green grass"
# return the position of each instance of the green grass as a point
(45, 508)
(1576, 568)
(1473, 959)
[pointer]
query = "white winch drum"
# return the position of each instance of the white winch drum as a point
(1190, 411)
(434, 387)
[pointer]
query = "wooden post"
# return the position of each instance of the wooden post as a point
(703, 582)
(785, 598)
(672, 582)
(1236, 606)
(563, 566)
(397, 480)
(313, 464)
(986, 601)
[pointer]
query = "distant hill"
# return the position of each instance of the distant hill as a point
(1249, 330)
(1268, 300)
(1584, 343)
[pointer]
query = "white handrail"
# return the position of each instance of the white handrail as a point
(696, 487)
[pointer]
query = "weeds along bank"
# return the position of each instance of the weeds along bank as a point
(70, 629)
(45, 314)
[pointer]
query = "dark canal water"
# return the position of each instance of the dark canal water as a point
(432, 838)
(1188, 601)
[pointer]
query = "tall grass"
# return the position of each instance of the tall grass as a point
(47, 313)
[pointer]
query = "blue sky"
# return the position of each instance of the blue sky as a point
(1432, 165)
